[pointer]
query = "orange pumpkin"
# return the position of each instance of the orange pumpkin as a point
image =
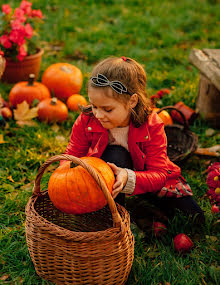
(63, 79)
(28, 91)
(165, 116)
(52, 110)
(75, 100)
(74, 191)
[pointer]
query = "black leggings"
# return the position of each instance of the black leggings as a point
(121, 157)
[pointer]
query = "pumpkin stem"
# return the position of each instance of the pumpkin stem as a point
(53, 101)
(31, 79)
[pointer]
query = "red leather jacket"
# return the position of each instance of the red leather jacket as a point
(147, 146)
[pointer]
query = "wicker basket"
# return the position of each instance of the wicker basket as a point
(94, 248)
(181, 142)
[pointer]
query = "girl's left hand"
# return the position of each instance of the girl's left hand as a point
(121, 179)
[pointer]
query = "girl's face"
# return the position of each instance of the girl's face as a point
(110, 112)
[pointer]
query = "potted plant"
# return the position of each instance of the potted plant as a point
(19, 41)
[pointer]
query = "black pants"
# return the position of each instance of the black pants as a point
(121, 157)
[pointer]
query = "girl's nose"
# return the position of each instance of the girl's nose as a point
(99, 114)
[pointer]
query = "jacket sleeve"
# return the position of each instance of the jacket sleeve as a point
(153, 178)
(79, 143)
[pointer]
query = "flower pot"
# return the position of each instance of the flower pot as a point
(16, 71)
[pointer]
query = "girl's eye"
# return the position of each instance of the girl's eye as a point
(108, 111)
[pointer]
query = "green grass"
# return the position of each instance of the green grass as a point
(160, 35)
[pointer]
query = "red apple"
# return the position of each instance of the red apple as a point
(159, 229)
(215, 209)
(182, 243)
(6, 113)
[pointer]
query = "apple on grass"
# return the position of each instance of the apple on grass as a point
(215, 209)
(159, 229)
(182, 243)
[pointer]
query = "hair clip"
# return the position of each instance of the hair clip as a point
(101, 81)
(124, 58)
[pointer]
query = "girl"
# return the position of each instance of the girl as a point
(120, 127)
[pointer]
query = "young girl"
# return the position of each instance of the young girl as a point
(120, 127)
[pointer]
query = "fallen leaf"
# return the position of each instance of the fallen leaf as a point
(55, 127)
(4, 277)
(29, 123)
(209, 132)
(24, 112)
(61, 139)
(2, 139)
(10, 178)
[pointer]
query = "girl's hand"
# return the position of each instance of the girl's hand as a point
(121, 179)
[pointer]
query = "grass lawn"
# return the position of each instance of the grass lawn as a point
(158, 34)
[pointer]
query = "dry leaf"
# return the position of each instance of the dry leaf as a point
(2, 139)
(55, 127)
(10, 178)
(24, 112)
(4, 277)
(29, 123)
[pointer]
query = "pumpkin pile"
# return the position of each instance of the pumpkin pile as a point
(61, 80)
(74, 191)
(213, 182)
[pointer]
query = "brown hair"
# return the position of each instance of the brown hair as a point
(132, 75)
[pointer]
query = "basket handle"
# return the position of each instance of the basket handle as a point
(117, 221)
(185, 123)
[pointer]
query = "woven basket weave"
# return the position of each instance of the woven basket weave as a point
(181, 142)
(94, 248)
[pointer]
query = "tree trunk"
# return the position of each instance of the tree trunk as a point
(208, 101)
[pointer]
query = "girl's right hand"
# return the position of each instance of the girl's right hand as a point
(121, 179)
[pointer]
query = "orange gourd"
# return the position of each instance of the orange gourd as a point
(165, 116)
(75, 100)
(63, 79)
(28, 91)
(74, 191)
(52, 110)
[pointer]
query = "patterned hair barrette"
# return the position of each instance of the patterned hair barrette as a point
(101, 80)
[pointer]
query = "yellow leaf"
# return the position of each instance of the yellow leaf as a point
(2, 139)
(24, 113)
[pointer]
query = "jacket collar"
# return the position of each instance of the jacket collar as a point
(140, 134)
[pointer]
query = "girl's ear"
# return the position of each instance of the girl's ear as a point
(133, 100)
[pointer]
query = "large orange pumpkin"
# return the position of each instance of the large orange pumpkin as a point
(165, 116)
(75, 100)
(28, 91)
(73, 190)
(52, 110)
(63, 79)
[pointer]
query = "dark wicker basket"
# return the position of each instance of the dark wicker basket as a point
(181, 142)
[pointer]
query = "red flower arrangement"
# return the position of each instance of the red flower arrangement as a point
(213, 182)
(18, 30)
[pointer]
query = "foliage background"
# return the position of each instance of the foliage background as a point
(160, 35)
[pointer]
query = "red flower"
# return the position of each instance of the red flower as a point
(37, 13)
(17, 36)
(26, 7)
(5, 41)
(21, 53)
(6, 9)
(19, 15)
(1, 53)
(28, 30)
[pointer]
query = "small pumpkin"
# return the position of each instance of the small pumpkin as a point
(75, 100)
(28, 91)
(74, 191)
(52, 110)
(165, 116)
(63, 79)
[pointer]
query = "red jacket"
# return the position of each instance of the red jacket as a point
(147, 146)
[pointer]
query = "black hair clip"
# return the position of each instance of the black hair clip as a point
(101, 80)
